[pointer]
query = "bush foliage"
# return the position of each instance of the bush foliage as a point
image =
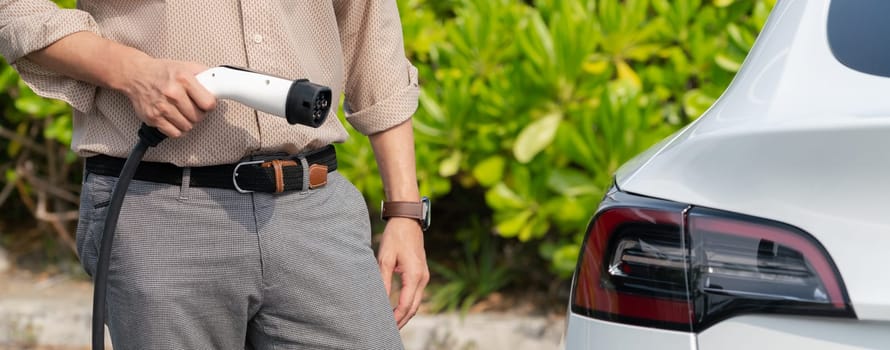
(527, 108)
(537, 103)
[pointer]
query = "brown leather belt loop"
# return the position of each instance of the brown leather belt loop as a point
(318, 175)
(277, 165)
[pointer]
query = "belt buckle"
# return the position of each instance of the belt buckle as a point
(235, 174)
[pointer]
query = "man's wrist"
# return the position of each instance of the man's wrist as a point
(404, 221)
(403, 196)
(129, 60)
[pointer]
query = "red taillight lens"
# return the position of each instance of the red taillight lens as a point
(742, 264)
(633, 269)
(667, 265)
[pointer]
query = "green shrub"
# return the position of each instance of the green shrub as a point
(537, 103)
(40, 173)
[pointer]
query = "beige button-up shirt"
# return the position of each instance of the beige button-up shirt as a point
(354, 47)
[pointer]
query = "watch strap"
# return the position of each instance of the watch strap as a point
(413, 210)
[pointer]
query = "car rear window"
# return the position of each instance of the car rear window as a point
(859, 34)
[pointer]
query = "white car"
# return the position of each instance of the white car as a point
(765, 224)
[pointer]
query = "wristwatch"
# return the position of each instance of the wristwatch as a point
(419, 211)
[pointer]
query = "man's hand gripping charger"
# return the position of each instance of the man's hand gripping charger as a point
(299, 101)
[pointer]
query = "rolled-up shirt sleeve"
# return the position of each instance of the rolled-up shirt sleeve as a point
(381, 84)
(30, 25)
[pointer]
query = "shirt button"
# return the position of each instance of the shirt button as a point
(257, 38)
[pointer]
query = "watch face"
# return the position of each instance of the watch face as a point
(425, 222)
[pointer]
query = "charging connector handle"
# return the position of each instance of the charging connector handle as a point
(299, 101)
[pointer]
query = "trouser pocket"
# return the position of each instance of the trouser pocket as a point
(94, 198)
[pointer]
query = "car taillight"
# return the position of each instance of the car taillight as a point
(662, 264)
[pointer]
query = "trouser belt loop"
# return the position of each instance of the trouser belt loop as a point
(305, 164)
(186, 180)
(277, 166)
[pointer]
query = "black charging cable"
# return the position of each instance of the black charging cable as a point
(148, 137)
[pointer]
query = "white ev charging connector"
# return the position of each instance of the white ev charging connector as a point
(300, 101)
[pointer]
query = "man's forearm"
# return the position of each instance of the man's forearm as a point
(401, 246)
(394, 150)
(164, 93)
(88, 57)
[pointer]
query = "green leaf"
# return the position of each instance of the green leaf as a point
(543, 34)
(627, 74)
(451, 165)
(565, 259)
(696, 102)
(430, 105)
(595, 67)
(8, 77)
(535, 137)
(515, 223)
(571, 182)
(535, 229)
(59, 129)
(501, 197)
(572, 211)
(490, 171)
(727, 63)
(735, 33)
(643, 52)
(32, 105)
(573, 144)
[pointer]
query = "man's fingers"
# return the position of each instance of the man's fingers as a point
(154, 115)
(202, 98)
(172, 115)
(167, 129)
(198, 94)
(187, 109)
(411, 285)
(173, 105)
(406, 299)
(418, 298)
(180, 94)
(386, 267)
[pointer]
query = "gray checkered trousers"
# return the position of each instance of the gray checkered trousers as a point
(206, 268)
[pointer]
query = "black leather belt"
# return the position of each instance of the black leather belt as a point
(261, 174)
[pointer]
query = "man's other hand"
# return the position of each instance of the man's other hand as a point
(401, 251)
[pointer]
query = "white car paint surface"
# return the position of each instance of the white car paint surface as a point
(799, 138)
